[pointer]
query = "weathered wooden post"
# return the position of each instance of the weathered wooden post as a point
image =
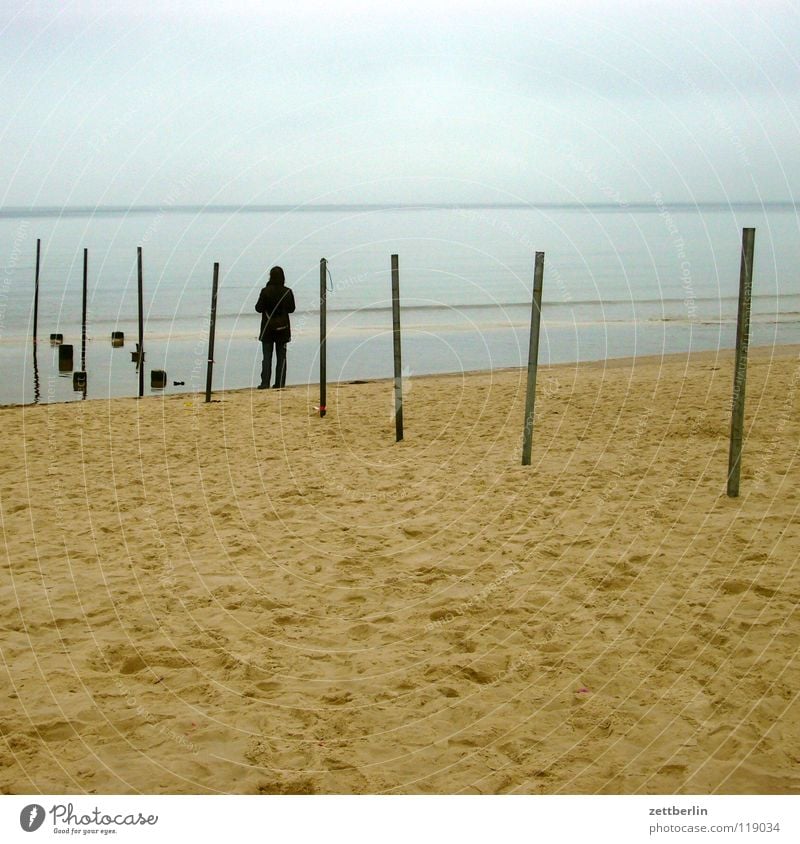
(323, 330)
(533, 357)
(65, 357)
(740, 371)
(211, 330)
(79, 377)
(398, 368)
(83, 310)
(140, 345)
(36, 391)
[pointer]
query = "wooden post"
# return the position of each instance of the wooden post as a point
(65, 362)
(398, 369)
(83, 311)
(140, 347)
(740, 372)
(36, 293)
(533, 357)
(36, 390)
(211, 329)
(323, 331)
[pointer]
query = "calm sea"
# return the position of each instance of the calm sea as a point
(618, 281)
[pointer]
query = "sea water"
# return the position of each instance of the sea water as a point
(618, 281)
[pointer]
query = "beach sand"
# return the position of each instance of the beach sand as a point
(242, 597)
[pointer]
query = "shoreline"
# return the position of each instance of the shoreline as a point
(603, 363)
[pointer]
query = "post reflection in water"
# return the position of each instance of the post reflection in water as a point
(36, 389)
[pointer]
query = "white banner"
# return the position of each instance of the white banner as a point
(407, 819)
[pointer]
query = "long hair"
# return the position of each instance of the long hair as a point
(276, 276)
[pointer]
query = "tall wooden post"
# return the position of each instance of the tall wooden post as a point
(398, 367)
(140, 356)
(533, 357)
(211, 330)
(323, 331)
(83, 311)
(36, 391)
(36, 293)
(740, 372)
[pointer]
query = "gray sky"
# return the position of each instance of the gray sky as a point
(245, 102)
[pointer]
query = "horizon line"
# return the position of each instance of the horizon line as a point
(166, 208)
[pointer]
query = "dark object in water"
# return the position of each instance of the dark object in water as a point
(78, 380)
(178, 383)
(158, 379)
(56, 339)
(117, 339)
(358, 382)
(135, 355)
(65, 358)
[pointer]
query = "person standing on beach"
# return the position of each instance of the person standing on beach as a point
(275, 303)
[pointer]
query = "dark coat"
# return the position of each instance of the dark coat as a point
(275, 304)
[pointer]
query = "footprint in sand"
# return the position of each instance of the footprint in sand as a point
(360, 631)
(137, 662)
(55, 730)
(132, 664)
(438, 615)
(734, 587)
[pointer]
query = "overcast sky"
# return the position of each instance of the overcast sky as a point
(245, 102)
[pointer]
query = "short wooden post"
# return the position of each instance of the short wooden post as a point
(36, 293)
(740, 372)
(140, 346)
(398, 368)
(65, 357)
(211, 330)
(533, 357)
(323, 330)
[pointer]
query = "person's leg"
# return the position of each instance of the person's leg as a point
(280, 365)
(266, 363)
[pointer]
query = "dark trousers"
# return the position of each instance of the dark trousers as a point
(267, 347)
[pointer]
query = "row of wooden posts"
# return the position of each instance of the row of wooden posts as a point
(79, 378)
(740, 372)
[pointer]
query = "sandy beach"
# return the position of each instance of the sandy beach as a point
(242, 597)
